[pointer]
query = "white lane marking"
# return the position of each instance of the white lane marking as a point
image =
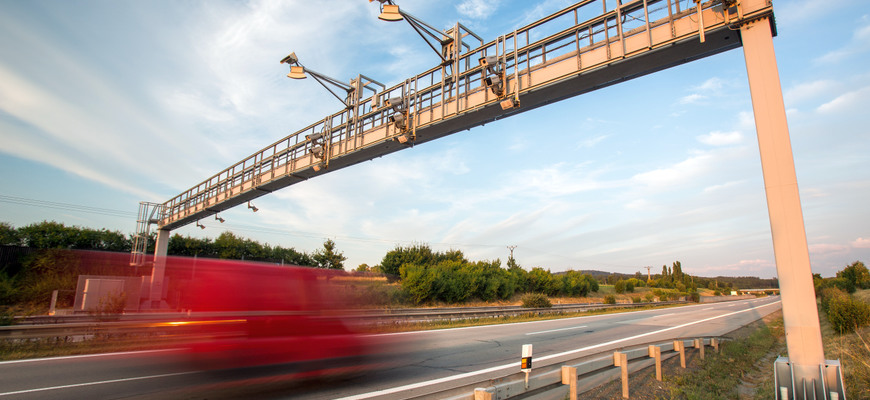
(516, 364)
(556, 330)
(122, 353)
(436, 331)
(707, 309)
(138, 378)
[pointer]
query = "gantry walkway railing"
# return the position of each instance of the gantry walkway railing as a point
(590, 45)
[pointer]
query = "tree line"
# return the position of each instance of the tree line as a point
(54, 235)
(33, 261)
(430, 276)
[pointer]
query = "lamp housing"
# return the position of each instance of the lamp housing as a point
(296, 72)
(390, 12)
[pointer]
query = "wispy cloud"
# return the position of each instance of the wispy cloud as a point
(721, 138)
(591, 142)
(477, 9)
(859, 43)
(847, 102)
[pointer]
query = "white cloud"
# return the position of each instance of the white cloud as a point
(477, 9)
(715, 188)
(721, 138)
(828, 248)
(710, 85)
(589, 143)
(861, 243)
(859, 43)
(809, 91)
(850, 101)
(676, 174)
(692, 98)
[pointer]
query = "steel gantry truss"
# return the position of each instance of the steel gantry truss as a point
(587, 46)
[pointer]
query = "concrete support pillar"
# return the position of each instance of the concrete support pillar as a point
(157, 272)
(802, 332)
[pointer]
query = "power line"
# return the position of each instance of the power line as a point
(260, 229)
(66, 206)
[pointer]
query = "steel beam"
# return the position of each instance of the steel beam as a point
(802, 331)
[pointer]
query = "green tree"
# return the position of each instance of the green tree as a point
(857, 274)
(363, 268)
(9, 235)
(419, 254)
(328, 258)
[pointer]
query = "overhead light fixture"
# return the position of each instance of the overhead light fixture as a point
(201, 226)
(433, 36)
(217, 218)
(296, 72)
(252, 207)
(390, 12)
(356, 86)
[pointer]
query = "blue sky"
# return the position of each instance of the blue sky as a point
(105, 104)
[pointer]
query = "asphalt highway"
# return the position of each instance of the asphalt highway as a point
(417, 364)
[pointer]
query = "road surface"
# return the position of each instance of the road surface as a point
(433, 361)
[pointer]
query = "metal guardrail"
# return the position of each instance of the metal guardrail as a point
(581, 375)
(73, 325)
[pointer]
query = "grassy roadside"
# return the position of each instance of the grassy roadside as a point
(747, 363)
(447, 324)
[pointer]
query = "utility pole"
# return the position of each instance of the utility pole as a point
(648, 274)
(511, 248)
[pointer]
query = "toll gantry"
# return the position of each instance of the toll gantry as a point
(587, 46)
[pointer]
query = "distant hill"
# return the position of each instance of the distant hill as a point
(740, 282)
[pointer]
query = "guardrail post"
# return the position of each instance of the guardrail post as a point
(656, 352)
(699, 344)
(621, 360)
(51, 310)
(482, 394)
(681, 347)
(715, 343)
(569, 377)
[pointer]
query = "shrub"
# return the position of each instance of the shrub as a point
(636, 299)
(846, 314)
(649, 297)
(695, 297)
(110, 306)
(609, 299)
(7, 317)
(829, 293)
(8, 291)
(619, 286)
(536, 300)
(717, 293)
